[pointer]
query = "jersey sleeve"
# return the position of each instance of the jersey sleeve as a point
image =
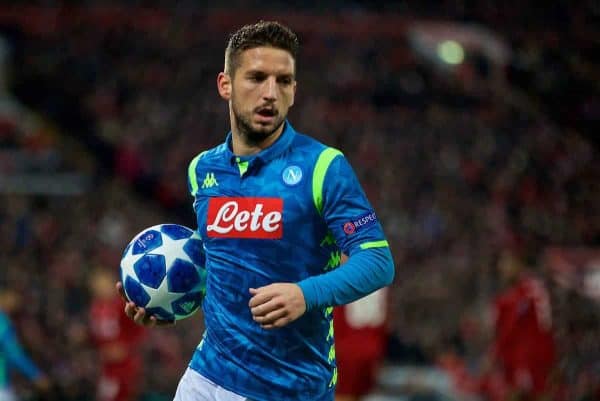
(10, 346)
(342, 203)
(345, 207)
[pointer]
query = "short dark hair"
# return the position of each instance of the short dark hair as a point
(263, 33)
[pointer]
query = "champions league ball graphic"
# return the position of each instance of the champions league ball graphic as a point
(163, 271)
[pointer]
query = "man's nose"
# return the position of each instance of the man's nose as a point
(270, 89)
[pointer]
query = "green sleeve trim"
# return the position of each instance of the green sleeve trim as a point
(192, 173)
(323, 162)
(374, 244)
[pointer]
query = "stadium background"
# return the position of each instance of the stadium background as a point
(472, 125)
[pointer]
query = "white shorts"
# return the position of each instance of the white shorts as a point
(195, 387)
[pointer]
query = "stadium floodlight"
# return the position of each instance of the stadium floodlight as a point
(451, 52)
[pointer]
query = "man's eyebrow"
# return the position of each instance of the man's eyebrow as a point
(262, 72)
(256, 72)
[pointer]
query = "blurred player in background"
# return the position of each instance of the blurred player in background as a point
(360, 342)
(275, 209)
(12, 354)
(117, 340)
(523, 346)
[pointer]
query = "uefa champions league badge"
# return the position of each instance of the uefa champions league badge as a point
(361, 222)
(292, 175)
(349, 228)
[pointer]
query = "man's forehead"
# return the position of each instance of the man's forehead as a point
(267, 59)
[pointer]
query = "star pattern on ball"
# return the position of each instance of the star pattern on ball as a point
(168, 253)
(174, 250)
(128, 262)
(161, 296)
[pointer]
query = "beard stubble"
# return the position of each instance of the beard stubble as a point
(250, 135)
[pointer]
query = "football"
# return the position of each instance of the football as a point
(163, 271)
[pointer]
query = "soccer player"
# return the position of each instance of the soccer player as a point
(117, 341)
(361, 336)
(523, 345)
(12, 354)
(275, 209)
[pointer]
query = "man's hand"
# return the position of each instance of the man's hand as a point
(138, 314)
(276, 305)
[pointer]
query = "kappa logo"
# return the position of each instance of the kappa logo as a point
(209, 181)
(245, 218)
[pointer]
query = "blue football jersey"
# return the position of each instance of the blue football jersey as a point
(12, 354)
(281, 215)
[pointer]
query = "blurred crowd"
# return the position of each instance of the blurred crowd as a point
(461, 164)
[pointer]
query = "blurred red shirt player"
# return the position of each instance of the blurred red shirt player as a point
(360, 343)
(523, 344)
(117, 340)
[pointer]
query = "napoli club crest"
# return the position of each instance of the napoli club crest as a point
(292, 175)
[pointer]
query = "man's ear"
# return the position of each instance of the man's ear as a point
(224, 85)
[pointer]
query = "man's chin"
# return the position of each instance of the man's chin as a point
(257, 130)
(260, 133)
(266, 128)
(265, 125)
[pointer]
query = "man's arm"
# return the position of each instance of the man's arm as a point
(10, 346)
(351, 220)
(340, 200)
(364, 272)
(278, 304)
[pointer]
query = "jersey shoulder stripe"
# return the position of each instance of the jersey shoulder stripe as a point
(324, 160)
(193, 166)
(192, 178)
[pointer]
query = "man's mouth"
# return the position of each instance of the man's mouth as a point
(266, 112)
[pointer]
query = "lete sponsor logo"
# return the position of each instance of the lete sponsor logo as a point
(245, 218)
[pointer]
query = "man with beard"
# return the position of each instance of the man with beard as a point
(275, 209)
